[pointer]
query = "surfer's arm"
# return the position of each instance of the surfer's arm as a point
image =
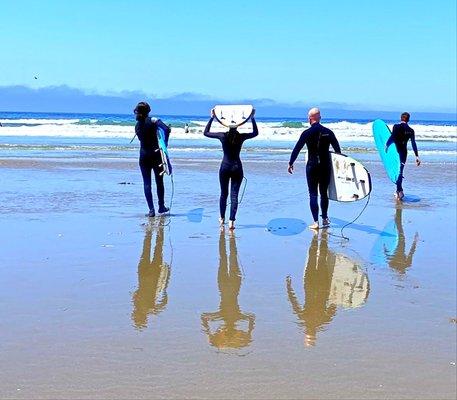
(335, 144)
(392, 137)
(412, 250)
(138, 133)
(292, 297)
(255, 130)
(299, 145)
(206, 318)
(251, 321)
(214, 135)
(413, 144)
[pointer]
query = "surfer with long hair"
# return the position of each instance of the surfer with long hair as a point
(231, 169)
(146, 131)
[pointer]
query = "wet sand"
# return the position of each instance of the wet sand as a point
(98, 302)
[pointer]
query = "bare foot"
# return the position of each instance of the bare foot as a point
(314, 226)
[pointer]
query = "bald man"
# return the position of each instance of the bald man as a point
(318, 140)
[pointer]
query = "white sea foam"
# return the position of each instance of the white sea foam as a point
(344, 130)
(39, 121)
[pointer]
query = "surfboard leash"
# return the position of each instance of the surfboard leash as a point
(242, 192)
(244, 189)
(355, 219)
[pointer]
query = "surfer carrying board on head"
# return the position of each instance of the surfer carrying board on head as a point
(231, 169)
(150, 156)
(318, 168)
(401, 133)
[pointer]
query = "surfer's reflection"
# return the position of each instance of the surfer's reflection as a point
(153, 276)
(329, 280)
(229, 327)
(396, 255)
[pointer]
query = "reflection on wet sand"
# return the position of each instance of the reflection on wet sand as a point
(329, 280)
(153, 277)
(396, 255)
(228, 327)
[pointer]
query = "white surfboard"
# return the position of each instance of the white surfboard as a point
(349, 179)
(350, 285)
(233, 116)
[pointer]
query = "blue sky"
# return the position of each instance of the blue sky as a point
(371, 55)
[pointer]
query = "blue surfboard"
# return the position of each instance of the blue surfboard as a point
(166, 164)
(386, 244)
(391, 159)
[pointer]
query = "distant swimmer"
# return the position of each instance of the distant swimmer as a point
(318, 140)
(186, 128)
(401, 133)
(150, 159)
(231, 170)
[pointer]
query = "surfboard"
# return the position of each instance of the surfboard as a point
(350, 285)
(233, 116)
(391, 159)
(386, 243)
(349, 179)
(166, 164)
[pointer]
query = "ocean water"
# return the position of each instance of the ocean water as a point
(101, 136)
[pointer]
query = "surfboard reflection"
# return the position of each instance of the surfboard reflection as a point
(228, 327)
(153, 277)
(397, 256)
(330, 280)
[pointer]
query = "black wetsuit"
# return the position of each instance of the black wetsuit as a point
(401, 133)
(231, 168)
(318, 140)
(150, 159)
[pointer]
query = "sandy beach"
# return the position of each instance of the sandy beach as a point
(99, 302)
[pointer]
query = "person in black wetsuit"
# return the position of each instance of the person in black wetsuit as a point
(318, 140)
(231, 169)
(150, 160)
(401, 133)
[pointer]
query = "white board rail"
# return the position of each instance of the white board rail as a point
(349, 179)
(233, 116)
